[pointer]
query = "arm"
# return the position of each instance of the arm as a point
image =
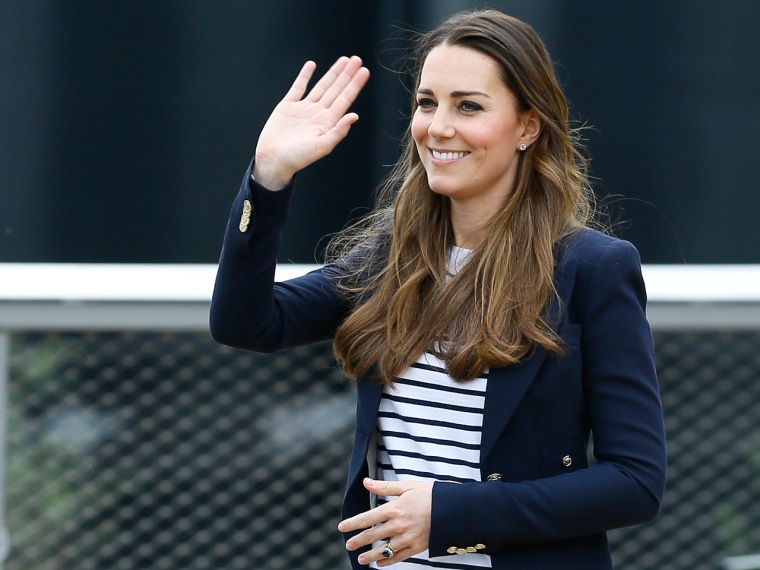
(626, 484)
(247, 310)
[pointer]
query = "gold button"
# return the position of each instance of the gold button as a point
(494, 477)
(461, 551)
(480, 546)
(451, 550)
(567, 461)
(245, 217)
(471, 549)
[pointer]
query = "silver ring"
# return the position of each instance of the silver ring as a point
(387, 550)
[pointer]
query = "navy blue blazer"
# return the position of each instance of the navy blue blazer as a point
(540, 504)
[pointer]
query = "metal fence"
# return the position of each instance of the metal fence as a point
(134, 441)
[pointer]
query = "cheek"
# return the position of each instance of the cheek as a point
(419, 128)
(508, 130)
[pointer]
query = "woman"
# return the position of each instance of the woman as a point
(489, 330)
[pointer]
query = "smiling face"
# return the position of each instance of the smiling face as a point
(468, 128)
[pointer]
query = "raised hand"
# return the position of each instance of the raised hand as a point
(301, 130)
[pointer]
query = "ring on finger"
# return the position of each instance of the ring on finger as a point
(387, 550)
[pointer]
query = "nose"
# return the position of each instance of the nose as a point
(441, 126)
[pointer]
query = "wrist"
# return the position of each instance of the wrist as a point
(270, 178)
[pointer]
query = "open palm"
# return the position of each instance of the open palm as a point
(301, 130)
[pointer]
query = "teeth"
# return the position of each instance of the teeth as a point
(447, 155)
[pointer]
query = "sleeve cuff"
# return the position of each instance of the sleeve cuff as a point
(266, 200)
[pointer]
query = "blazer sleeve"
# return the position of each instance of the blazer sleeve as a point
(626, 483)
(248, 309)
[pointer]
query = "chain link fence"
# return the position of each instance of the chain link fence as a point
(134, 449)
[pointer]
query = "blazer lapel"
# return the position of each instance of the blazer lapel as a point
(368, 401)
(368, 396)
(505, 388)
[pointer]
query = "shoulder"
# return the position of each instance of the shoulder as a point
(591, 266)
(587, 249)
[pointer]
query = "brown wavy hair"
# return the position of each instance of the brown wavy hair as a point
(492, 313)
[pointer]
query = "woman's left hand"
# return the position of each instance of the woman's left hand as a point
(405, 521)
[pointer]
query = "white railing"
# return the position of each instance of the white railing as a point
(751, 562)
(105, 296)
(176, 297)
(703, 296)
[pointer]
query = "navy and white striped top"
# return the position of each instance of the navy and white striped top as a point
(429, 429)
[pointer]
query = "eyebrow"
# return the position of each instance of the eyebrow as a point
(455, 94)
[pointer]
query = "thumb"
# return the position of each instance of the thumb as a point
(336, 134)
(386, 488)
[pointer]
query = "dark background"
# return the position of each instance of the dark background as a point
(125, 127)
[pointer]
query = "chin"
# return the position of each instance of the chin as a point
(442, 189)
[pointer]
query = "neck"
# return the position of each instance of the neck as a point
(468, 220)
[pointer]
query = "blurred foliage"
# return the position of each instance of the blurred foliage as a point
(44, 474)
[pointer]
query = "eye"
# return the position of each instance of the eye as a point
(469, 106)
(425, 103)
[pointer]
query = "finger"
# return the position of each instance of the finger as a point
(363, 520)
(340, 80)
(369, 536)
(346, 86)
(376, 555)
(400, 556)
(331, 138)
(318, 91)
(301, 82)
(348, 95)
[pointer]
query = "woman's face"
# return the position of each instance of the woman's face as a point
(467, 127)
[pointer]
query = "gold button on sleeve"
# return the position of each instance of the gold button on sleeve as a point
(461, 551)
(245, 217)
(480, 546)
(471, 549)
(567, 461)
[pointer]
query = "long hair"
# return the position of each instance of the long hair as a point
(492, 313)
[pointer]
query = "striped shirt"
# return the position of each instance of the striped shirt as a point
(429, 429)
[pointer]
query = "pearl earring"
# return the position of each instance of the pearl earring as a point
(522, 147)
